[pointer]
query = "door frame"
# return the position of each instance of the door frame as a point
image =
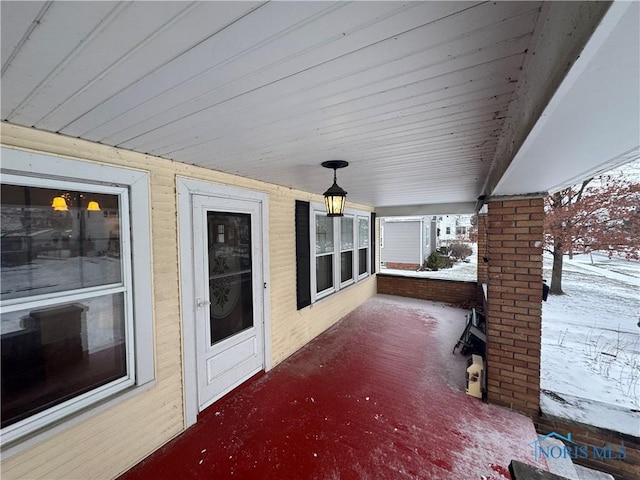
(186, 188)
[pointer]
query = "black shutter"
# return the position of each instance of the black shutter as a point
(303, 255)
(373, 243)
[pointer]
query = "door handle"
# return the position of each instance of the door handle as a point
(201, 303)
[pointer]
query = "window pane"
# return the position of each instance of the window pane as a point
(230, 274)
(47, 249)
(52, 354)
(346, 266)
(362, 261)
(346, 233)
(324, 234)
(363, 232)
(324, 272)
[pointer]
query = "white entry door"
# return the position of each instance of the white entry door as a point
(228, 288)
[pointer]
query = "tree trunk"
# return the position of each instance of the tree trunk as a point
(556, 274)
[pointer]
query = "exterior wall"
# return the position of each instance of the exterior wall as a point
(627, 468)
(460, 294)
(402, 242)
(108, 443)
(402, 266)
(514, 303)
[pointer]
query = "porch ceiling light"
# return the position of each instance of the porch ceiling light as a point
(59, 204)
(335, 197)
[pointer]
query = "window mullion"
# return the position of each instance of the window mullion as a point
(355, 254)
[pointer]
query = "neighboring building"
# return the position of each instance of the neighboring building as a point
(453, 227)
(405, 242)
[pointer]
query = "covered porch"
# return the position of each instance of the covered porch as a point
(378, 395)
(171, 109)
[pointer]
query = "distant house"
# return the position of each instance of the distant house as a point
(407, 241)
(453, 227)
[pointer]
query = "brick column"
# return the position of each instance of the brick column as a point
(514, 303)
(483, 267)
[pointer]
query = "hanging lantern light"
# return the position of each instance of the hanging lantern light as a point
(335, 197)
(93, 206)
(59, 204)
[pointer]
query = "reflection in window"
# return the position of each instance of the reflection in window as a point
(55, 240)
(52, 354)
(363, 244)
(324, 272)
(324, 253)
(55, 348)
(346, 249)
(230, 274)
(324, 234)
(342, 249)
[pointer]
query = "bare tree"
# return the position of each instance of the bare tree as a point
(601, 213)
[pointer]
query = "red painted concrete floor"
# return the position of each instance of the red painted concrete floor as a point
(377, 396)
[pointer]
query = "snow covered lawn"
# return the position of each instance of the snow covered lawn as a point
(466, 271)
(590, 365)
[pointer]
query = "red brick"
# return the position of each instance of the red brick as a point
(516, 284)
(529, 223)
(500, 210)
(515, 296)
(515, 263)
(528, 209)
(513, 335)
(527, 202)
(523, 230)
(516, 310)
(529, 250)
(501, 236)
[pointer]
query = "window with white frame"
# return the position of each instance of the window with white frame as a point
(337, 255)
(73, 334)
(325, 253)
(346, 250)
(363, 245)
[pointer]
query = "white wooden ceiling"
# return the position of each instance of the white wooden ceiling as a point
(412, 94)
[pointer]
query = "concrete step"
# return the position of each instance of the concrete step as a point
(561, 466)
(564, 467)
(585, 473)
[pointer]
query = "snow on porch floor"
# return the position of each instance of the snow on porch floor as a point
(377, 396)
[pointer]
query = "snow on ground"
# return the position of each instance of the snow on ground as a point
(590, 365)
(461, 271)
